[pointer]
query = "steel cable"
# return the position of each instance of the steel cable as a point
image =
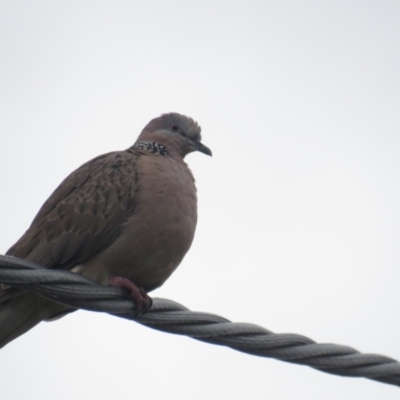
(168, 316)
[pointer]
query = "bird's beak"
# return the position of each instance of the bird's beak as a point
(200, 147)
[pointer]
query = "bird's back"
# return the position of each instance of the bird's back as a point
(84, 214)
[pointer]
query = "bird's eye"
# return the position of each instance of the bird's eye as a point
(175, 127)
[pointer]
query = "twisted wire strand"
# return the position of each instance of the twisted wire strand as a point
(168, 316)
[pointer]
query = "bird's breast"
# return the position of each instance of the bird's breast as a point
(156, 237)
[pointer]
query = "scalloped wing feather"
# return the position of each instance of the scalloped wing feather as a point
(84, 215)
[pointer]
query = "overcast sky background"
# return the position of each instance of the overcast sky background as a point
(299, 208)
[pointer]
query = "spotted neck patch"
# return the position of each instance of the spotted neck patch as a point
(152, 147)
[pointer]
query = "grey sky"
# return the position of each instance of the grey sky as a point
(299, 220)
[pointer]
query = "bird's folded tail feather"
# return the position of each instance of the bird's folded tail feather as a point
(22, 313)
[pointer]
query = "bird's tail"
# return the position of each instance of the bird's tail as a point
(22, 313)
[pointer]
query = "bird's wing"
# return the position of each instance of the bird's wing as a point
(84, 215)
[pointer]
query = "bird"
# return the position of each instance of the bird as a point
(125, 218)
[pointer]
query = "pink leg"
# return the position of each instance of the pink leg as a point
(142, 300)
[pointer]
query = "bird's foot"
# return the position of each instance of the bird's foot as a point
(142, 300)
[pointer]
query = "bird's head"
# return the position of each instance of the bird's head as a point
(178, 133)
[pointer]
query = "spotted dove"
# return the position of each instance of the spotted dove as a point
(125, 218)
